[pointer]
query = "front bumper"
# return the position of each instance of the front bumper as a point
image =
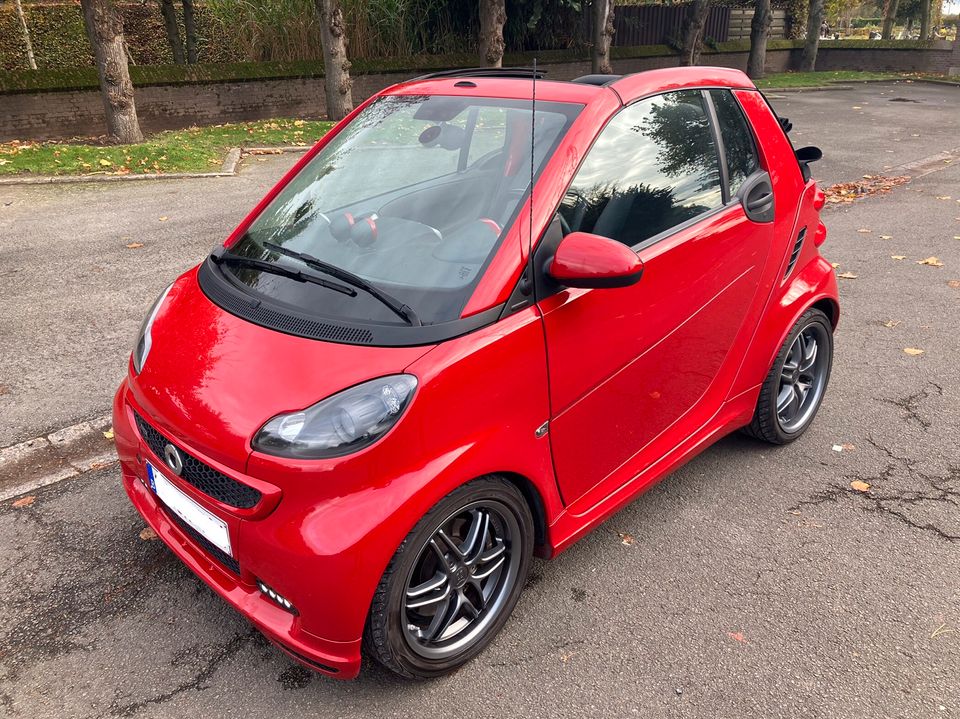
(340, 659)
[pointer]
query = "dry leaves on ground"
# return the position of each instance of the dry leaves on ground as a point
(864, 231)
(932, 261)
(898, 257)
(847, 276)
(844, 192)
(886, 237)
(134, 245)
(913, 351)
(891, 323)
(738, 636)
(164, 218)
(108, 434)
(147, 534)
(627, 539)
(25, 501)
(955, 284)
(860, 485)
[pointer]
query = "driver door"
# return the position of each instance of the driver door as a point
(626, 365)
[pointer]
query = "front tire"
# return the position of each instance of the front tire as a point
(453, 582)
(793, 390)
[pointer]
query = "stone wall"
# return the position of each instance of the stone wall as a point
(60, 115)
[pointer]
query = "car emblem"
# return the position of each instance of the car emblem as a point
(171, 455)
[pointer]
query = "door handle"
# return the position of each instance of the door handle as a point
(759, 202)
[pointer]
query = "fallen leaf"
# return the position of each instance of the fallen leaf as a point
(886, 237)
(913, 351)
(627, 539)
(953, 283)
(845, 192)
(105, 162)
(25, 501)
(834, 265)
(868, 177)
(865, 231)
(932, 261)
(857, 107)
(860, 485)
(847, 447)
(147, 534)
(738, 636)
(164, 218)
(898, 257)
(847, 276)
(4, 389)
(943, 197)
(956, 237)
(134, 245)
(108, 434)
(891, 323)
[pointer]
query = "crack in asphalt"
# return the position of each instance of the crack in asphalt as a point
(912, 402)
(197, 682)
(938, 491)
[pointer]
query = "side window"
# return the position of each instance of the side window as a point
(653, 167)
(738, 146)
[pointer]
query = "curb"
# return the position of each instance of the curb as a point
(228, 169)
(56, 456)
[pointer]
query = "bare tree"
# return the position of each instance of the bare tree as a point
(26, 35)
(808, 60)
(889, 17)
(925, 19)
(759, 32)
(336, 67)
(602, 36)
(493, 15)
(190, 31)
(169, 13)
(691, 34)
(105, 31)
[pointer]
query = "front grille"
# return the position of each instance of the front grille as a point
(202, 476)
(205, 544)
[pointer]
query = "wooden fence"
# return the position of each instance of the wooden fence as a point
(659, 24)
(739, 26)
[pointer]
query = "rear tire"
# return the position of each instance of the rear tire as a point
(453, 582)
(793, 390)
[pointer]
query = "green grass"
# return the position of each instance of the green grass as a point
(191, 150)
(817, 79)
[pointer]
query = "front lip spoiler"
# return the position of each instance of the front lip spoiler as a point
(335, 659)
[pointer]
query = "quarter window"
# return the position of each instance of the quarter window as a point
(738, 145)
(652, 168)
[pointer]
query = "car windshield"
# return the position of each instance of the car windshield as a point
(413, 197)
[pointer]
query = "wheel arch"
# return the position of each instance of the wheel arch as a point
(534, 500)
(830, 307)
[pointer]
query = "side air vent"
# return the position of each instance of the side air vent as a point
(797, 246)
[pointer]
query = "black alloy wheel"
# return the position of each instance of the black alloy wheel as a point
(794, 388)
(453, 582)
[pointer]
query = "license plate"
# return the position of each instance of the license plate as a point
(211, 527)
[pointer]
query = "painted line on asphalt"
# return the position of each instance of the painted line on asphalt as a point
(930, 164)
(56, 456)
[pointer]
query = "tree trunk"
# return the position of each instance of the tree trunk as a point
(190, 30)
(889, 16)
(336, 67)
(925, 19)
(759, 32)
(808, 60)
(169, 13)
(105, 31)
(602, 36)
(692, 32)
(26, 35)
(493, 15)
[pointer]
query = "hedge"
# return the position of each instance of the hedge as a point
(85, 78)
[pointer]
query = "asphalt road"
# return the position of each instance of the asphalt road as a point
(760, 584)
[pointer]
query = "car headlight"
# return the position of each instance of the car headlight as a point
(144, 341)
(344, 423)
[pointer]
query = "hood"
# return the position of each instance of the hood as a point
(212, 380)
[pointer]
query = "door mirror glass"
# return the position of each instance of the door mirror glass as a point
(586, 260)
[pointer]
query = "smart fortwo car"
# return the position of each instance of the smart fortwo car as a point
(405, 373)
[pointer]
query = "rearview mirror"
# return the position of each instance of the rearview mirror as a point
(591, 261)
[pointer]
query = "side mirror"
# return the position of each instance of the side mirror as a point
(586, 260)
(806, 155)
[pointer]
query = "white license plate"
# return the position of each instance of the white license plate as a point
(208, 525)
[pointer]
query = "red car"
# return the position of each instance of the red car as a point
(404, 374)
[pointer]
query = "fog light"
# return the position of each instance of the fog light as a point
(276, 598)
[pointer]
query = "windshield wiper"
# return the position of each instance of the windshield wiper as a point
(403, 311)
(233, 259)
